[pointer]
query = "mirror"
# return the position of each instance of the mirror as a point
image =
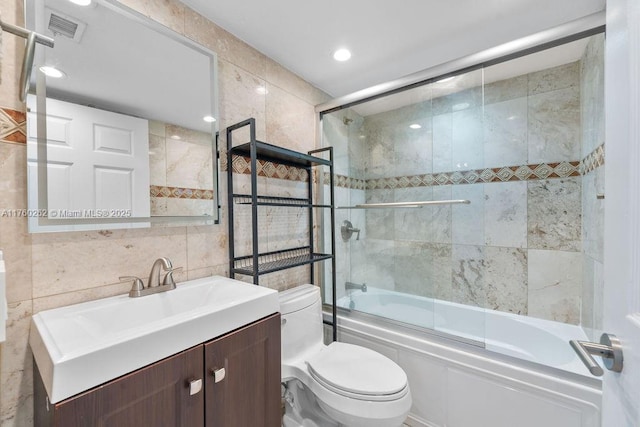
(125, 136)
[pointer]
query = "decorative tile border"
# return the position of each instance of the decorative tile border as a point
(592, 161)
(13, 126)
(531, 172)
(180, 193)
(504, 174)
(346, 181)
(267, 169)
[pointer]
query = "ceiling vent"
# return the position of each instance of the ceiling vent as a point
(64, 25)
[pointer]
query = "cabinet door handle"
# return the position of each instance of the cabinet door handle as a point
(218, 374)
(194, 386)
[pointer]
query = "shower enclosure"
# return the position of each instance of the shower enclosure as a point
(513, 156)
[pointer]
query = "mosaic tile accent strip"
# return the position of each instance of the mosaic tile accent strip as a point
(504, 174)
(346, 181)
(180, 193)
(13, 126)
(267, 169)
(592, 161)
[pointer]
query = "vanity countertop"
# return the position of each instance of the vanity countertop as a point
(84, 345)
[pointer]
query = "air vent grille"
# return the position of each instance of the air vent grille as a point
(62, 26)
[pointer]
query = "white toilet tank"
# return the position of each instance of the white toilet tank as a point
(302, 328)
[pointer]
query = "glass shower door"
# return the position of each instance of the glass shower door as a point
(411, 262)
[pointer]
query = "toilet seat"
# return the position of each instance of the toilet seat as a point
(358, 373)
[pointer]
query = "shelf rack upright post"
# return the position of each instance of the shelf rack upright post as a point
(259, 263)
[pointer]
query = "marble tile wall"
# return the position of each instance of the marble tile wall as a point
(518, 158)
(178, 189)
(47, 271)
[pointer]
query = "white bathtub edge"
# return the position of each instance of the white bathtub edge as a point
(581, 390)
(566, 396)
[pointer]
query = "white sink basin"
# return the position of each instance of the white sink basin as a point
(81, 346)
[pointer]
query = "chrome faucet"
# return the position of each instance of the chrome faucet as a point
(153, 286)
(351, 285)
(154, 276)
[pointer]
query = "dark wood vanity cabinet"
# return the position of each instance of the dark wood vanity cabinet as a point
(247, 392)
(240, 378)
(156, 395)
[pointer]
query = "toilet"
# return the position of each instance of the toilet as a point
(339, 384)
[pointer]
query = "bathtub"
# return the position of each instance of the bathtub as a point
(473, 367)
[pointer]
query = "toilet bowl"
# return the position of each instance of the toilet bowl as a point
(339, 384)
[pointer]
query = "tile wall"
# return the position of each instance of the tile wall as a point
(51, 270)
(181, 171)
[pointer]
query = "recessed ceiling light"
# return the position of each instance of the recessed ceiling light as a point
(175, 137)
(81, 2)
(342, 55)
(460, 106)
(446, 79)
(50, 71)
(209, 119)
(262, 90)
(415, 126)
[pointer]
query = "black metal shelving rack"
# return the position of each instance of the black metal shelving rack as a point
(258, 263)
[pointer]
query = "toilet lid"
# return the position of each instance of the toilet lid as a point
(357, 370)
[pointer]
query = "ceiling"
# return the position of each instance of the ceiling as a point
(388, 39)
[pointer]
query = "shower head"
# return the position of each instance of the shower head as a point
(347, 121)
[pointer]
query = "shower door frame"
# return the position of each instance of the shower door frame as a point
(556, 36)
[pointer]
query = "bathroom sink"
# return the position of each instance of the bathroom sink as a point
(84, 345)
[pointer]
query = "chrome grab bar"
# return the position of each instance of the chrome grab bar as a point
(418, 204)
(609, 349)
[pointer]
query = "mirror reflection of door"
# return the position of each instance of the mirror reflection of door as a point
(113, 60)
(97, 162)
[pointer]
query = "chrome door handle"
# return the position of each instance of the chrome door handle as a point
(218, 374)
(194, 386)
(609, 349)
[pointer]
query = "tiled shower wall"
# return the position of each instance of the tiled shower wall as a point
(50, 270)
(517, 156)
